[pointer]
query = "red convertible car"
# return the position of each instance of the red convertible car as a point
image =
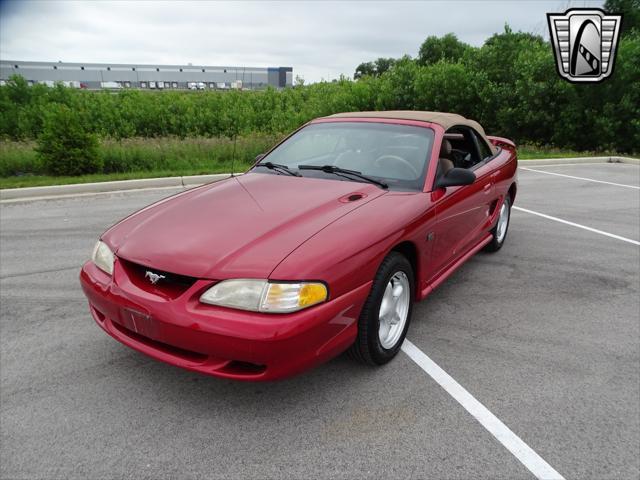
(322, 246)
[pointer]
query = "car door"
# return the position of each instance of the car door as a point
(462, 212)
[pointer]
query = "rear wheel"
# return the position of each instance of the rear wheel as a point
(386, 314)
(499, 232)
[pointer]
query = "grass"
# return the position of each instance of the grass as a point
(169, 156)
(531, 152)
(138, 158)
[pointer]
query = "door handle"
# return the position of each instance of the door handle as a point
(487, 187)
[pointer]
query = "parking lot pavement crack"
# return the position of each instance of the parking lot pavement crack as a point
(494, 330)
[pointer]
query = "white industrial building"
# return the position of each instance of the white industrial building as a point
(120, 76)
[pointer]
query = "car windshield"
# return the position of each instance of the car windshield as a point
(396, 155)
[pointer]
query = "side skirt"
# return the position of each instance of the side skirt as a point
(449, 271)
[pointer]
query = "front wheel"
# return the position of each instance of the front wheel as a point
(386, 314)
(499, 232)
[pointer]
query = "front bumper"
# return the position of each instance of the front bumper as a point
(215, 340)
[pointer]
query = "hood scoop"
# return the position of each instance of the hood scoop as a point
(352, 197)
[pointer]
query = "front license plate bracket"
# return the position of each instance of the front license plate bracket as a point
(140, 323)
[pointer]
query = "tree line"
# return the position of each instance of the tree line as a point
(509, 84)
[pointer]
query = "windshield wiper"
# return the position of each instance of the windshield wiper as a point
(342, 172)
(278, 168)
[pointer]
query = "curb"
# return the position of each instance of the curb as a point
(78, 189)
(579, 160)
(10, 195)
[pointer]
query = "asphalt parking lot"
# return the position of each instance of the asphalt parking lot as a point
(545, 334)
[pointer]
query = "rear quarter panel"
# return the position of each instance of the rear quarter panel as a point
(505, 171)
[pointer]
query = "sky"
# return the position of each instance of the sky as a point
(319, 39)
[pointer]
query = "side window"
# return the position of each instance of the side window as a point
(483, 148)
(464, 151)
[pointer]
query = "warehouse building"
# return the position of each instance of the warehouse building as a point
(120, 76)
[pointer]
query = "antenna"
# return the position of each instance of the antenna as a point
(233, 155)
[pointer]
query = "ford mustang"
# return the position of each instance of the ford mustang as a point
(323, 246)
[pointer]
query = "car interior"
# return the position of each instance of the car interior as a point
(401, 157)
(395, 154)
(398, 157)
(462, 147)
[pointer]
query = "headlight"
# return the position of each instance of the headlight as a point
(263, 296)
(103, 257)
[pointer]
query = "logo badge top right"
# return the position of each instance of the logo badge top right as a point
(584, 43)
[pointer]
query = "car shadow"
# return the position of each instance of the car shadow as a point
(342, 374)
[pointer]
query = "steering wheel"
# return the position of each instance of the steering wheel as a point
(413, 173)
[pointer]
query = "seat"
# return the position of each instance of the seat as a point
(444, 162)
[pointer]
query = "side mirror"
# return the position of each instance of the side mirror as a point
(456, 177)
(259, 157)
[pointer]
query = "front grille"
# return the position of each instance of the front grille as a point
(171, 286)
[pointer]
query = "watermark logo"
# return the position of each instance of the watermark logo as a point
(584, 43)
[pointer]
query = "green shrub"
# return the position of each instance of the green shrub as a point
(65, 147)
(152, 155)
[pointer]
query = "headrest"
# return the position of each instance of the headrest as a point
(445, 148)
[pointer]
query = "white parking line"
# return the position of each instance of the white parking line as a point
(523, 452)
(577, 225)
(580, 178)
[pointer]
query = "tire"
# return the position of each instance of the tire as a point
(372, 346)
(498, 239)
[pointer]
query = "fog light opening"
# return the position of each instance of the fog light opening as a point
(244, 368)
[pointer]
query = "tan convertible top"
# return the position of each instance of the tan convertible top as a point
(446, 120)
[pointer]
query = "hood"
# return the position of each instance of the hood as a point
(239, 227)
